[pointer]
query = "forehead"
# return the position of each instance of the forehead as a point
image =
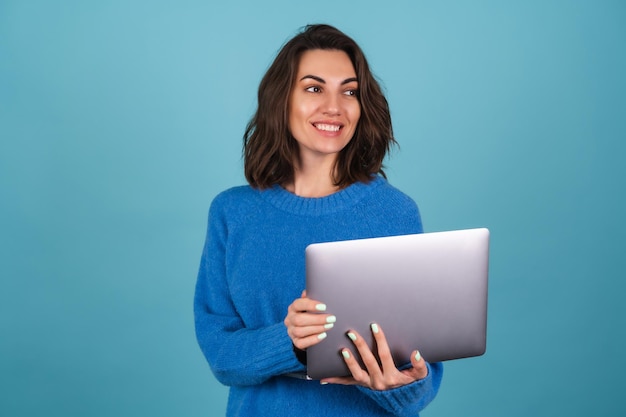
(331, 64)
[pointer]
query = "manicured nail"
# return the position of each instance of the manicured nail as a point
(352, 336)
(331, 319)
(329, 326)
(418, 357)
(375, 327)
(322, 336)
(345, 354)
(323, 383)
(320, 307)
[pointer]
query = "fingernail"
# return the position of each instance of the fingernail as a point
(331, 319)
(375, 327)
(352, 336)
(322, 336)
(320, 307)
(323, 383)
(418, 357)
(329, 326)
(345, 354)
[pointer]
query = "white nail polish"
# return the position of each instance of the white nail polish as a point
(329, 326)
(320, 307)
(352, 336)
(322, 336)
(375, 327)
(331, 319)
(345, 354)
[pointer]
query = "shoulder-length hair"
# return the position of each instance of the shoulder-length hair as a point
(269, 148)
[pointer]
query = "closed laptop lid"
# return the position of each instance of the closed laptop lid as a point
(427, 291)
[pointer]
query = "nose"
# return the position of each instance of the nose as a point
(332, 106)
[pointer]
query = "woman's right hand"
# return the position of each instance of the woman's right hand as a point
(306, 324)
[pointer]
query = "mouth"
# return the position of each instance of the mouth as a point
(327, 127)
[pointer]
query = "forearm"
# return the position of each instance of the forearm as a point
(240, 356)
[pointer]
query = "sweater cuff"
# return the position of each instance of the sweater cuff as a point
(409, 399)
(280, 352)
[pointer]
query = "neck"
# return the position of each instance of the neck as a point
(313, 181)
(312, 188)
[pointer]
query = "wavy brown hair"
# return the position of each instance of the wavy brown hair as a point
(269, 148)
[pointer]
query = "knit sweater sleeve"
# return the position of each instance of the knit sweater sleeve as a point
(409, 400)
(236, 354)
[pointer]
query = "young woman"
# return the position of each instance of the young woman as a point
(313, 159)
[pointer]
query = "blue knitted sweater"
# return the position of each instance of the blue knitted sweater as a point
(252, 269)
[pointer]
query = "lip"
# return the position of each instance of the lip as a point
(328, 127)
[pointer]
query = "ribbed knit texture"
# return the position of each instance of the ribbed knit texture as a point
(252, 269)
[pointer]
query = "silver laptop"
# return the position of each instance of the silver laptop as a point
(427, 291)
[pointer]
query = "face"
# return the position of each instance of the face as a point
(324, 108)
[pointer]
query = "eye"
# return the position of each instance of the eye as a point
(352, 92)
(314, 89)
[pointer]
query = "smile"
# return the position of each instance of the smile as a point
(327, 127)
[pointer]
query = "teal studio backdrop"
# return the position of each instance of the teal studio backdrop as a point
(121, 120)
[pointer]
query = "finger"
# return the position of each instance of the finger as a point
(343, 380)
(308, 341)
(306, 323)
(307, 312)
(307, 304)
(324, 321)
(306, 335)
(369, 360)
(359, 375)
(300, 332)
(384, 353)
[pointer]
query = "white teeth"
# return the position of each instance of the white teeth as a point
(328, 128)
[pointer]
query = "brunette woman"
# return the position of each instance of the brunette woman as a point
(313, 156)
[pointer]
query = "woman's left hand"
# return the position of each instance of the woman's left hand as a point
(378, 377)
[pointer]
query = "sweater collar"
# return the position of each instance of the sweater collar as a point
(316, 206)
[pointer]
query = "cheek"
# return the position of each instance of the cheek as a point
(299, 112)
(295, 114)
(297, 119)
(355, 114)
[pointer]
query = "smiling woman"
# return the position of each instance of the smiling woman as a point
(323, 114)
(313, 159)
(270, 150)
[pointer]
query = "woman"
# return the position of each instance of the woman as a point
(313, 159)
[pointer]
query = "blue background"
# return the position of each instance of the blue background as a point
(121, 120)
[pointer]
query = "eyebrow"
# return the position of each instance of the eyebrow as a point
(322, 81)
